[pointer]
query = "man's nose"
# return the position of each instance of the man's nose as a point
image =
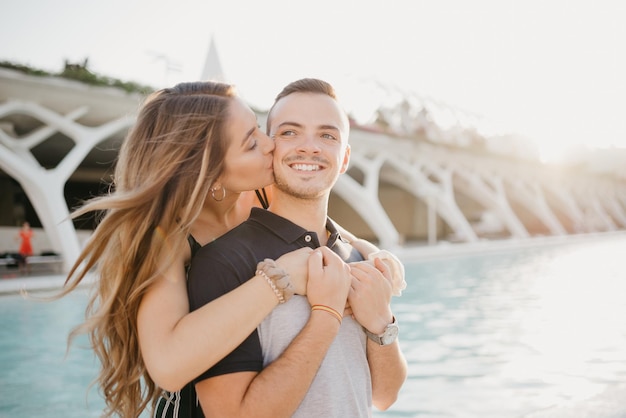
(308, 143)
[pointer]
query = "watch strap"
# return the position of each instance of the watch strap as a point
(379, 338)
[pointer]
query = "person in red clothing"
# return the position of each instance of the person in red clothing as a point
(26, 247)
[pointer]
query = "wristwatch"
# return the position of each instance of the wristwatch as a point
(388, 336)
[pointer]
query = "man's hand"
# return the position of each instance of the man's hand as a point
(370, 295)
(329, 279)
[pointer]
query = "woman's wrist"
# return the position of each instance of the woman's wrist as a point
(276, 278)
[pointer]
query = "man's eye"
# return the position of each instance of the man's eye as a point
(287, 133)
(328, 136)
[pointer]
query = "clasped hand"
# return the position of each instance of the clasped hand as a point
(362, 289)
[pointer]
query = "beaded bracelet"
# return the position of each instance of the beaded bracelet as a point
(328, 309)
(277, 278)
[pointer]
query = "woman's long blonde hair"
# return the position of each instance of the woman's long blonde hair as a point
(165, 168)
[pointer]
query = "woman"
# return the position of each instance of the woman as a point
(25, 235)
(171, 181)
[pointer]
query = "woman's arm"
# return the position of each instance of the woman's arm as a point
(177, 345)
(370, 252)
(361, 245)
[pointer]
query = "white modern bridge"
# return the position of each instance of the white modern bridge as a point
(399, 189)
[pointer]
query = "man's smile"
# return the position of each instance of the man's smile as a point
(305, 167)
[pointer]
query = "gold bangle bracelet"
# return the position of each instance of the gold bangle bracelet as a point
(328, 309)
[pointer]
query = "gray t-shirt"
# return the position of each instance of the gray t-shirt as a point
(342, 387)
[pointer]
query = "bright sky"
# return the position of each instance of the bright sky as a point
(552, 70)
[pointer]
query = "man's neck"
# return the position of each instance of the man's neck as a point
(308, 214)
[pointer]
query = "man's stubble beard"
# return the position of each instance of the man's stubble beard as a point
(302, 192)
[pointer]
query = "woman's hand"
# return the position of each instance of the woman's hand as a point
(295, 264)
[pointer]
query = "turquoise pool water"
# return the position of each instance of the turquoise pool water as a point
(37, 379)
(492, 335)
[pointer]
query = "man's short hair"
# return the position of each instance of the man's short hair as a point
(307, 85)
(304, 85)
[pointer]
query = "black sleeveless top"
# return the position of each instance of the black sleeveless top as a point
(184, 403)
(194, 246)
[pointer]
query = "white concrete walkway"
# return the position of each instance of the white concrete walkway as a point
(11, 283)
(15, 283)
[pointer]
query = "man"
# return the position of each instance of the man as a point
(305, 359)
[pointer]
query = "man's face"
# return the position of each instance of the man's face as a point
(310, 133)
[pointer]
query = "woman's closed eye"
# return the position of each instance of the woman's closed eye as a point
(253, 141)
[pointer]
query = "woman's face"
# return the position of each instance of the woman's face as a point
(248, 161)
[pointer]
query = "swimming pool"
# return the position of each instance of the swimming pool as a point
(492, 335)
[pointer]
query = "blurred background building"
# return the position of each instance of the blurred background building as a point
(421, 172)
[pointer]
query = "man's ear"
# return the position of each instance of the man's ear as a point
(346, 160)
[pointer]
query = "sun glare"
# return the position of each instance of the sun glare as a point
(574, 320)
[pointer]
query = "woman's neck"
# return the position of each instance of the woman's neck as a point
(217, 218)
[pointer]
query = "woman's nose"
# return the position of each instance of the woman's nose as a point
(267, 144)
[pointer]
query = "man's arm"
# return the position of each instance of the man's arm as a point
(279, 388)
(389, 370)
(369, 299)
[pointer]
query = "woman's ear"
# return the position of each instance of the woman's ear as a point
(218, 192)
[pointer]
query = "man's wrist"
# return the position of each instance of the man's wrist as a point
(378, 326)
(387, 336)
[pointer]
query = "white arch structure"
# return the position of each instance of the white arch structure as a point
(44, 187)
(434, 174)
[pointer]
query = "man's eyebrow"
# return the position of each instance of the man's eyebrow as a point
(299, 125)
(288, 123)
(331, 127)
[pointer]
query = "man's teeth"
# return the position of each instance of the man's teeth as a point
(306, 167)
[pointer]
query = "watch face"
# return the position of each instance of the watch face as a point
(390, 335)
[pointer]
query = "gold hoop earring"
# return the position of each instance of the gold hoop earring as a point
(213, 194)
